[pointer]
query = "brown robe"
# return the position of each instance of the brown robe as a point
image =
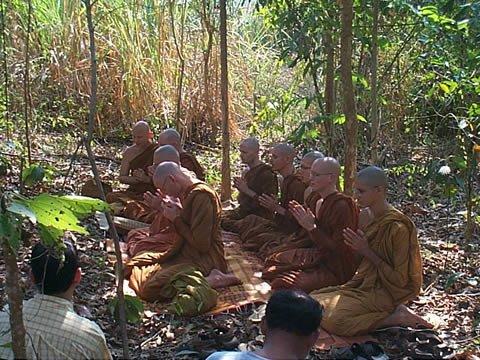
(189, 162)
(199, 244)
(159, 237)
(255, 231)
(324, 259)
(136, 191)
(375, 291)
(260, 179)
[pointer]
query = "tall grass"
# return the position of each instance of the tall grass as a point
(138, 63)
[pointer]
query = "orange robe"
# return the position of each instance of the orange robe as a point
(260, 179)
(324, 259)
(198, 244)
(255, 231)
(189, 162)
(375, 291)
(159, 237)
(136, 191)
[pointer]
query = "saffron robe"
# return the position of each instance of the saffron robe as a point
(136, 191)
(278, 241)
(320, 258)
(260, 179)
(375, 291)
(189, 162)
(198, 244)
(254, 230)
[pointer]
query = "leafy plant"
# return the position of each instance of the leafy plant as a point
(133, 309)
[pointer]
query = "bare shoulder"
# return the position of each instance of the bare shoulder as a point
(130, 152)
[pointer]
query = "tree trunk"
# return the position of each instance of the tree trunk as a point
(15, 301)
(3, 9)
(330, 89)
(226, 186)
(26, 81)
(374, 93)
(91, 156)
(351, 125)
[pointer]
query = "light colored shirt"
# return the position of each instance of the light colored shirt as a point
(55, 331)
(235, 355)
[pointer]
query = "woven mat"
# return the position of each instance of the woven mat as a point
(248, 268)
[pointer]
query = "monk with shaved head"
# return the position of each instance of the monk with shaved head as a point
(318, 256)
(134, 166)
(187, 160)
(252, 229)
(257, 180)
(194, 212)
(389, 275)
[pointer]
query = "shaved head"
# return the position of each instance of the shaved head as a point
(166, 153)
(327, 165)
(311, 156)
(284, 149)
(373, 176)
(306, 165)
(140, 128)
(251, 143)
(141, 133)
(170, 137)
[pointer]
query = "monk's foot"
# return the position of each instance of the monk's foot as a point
(218, 279)
(403, 316)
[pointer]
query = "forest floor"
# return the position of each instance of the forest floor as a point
(451, 296)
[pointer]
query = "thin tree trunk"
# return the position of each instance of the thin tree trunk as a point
(181, 66)
(351, 125)
(374, 93)
(26, 80)
(15, 300)
(330, 89)
(91, 156)
(226, 186)
(3, 9)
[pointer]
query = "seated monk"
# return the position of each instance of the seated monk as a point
(389, 275)
(187, 160)
(139, 209)
(253, 227)
(273, 239)
(196, 221)
(258, 179)
(318, 257)
(133, 169)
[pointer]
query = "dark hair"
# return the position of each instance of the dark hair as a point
(294, 312)
(51, 276)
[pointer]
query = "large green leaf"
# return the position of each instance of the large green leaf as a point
(23, 210)
(83, 206)
(33, 174)
(10, 230)
(133, 309)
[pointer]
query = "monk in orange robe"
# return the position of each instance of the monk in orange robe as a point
(274, 240)
(257, 180)
(134, 166)
(389, 275)
(139, 210)
(187, 160)
(196, 221)
(318, 257)
(253, 227)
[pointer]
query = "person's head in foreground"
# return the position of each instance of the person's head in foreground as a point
(371, 186)
(291, 327)
(50, 275)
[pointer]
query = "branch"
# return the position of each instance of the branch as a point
(91, 156)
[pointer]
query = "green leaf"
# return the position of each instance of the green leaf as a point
(33, 174)
(339, 120)
(361, 118)
(133, 309)
(444, 88)
(83, 206)
(51, 236)
(10, 230)
(452, 279)
(21, 209)
(7, 345)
